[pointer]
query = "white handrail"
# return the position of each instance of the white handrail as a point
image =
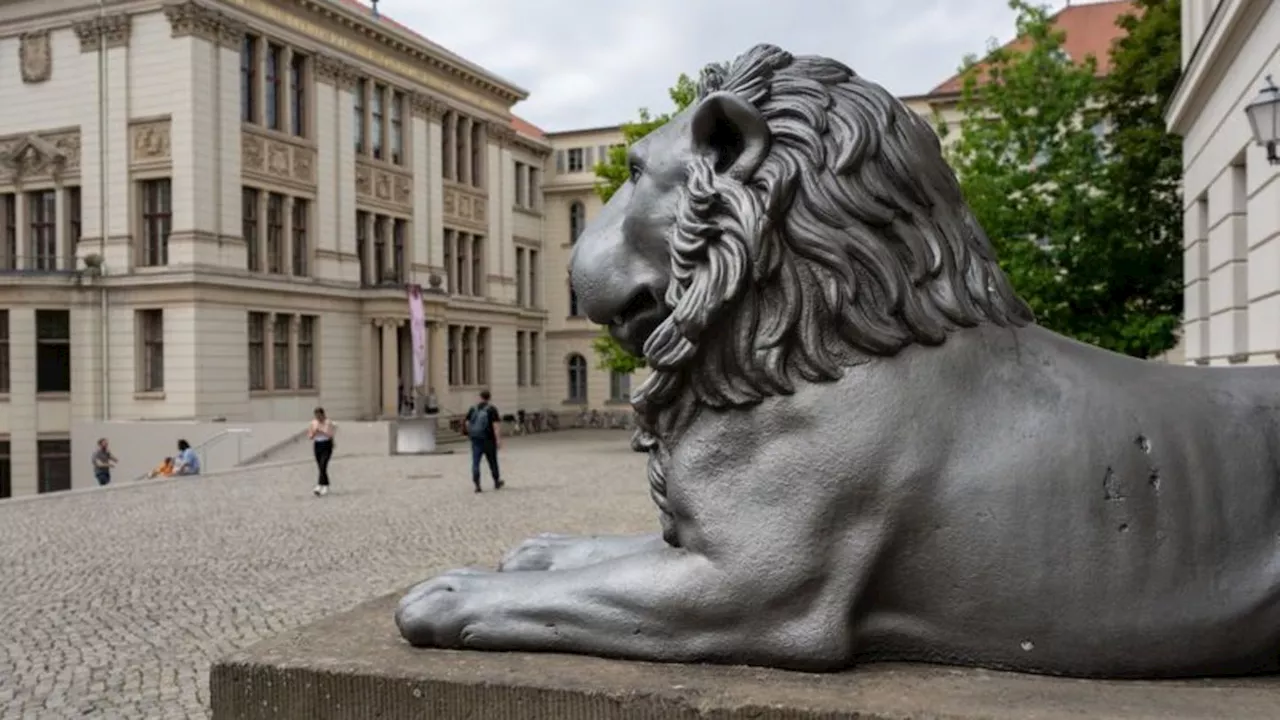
(239, 434)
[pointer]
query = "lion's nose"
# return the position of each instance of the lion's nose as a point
(597, 279)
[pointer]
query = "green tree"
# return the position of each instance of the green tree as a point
(1038, 163)
(613, 173)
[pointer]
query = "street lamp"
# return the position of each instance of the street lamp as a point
(1264, 117)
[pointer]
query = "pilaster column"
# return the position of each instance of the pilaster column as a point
(449, 143)
(264, 202)
(390, 367)
(366, 252)
(465, 285)
(21, 225)
(464, 173)
(438, 359)
(285, 73)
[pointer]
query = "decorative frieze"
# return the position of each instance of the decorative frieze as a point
(328, 69)
(39, 157)
(465, 206)
(270, 159)
(503, 135)
(150, 145)
(192, 19)
(428, 106)
(35, 55)
(380, 186)
(111, 31)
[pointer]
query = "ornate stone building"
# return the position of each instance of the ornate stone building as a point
(212, 208)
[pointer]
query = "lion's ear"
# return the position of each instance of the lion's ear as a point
(733, 131)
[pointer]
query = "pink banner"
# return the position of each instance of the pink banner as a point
(418, 335)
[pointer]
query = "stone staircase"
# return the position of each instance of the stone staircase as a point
(354, 438)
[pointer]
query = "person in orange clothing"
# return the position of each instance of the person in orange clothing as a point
(164, 469)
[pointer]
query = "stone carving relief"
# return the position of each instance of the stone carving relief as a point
(36, 57)
(503, 135)
(274, 160)
(190, 18)
(35, 157)
(328, 69)
(111, 31)
(428, 106)
(150, 143)
(383, 186)
(463, 206)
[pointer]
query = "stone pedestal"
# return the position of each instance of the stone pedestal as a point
(354, 666)
(415, 436)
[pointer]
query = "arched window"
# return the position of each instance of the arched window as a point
(577, 221)
(577, 378)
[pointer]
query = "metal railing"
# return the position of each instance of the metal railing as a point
(203, 448)
(42, 264)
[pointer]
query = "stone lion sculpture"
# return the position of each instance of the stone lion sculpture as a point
(860, 444)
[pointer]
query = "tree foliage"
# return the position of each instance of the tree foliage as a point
(1045, 152)
(612, 173)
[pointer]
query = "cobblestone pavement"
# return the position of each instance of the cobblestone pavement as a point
(113, 603)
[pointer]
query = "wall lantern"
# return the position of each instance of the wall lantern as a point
(1264, 117)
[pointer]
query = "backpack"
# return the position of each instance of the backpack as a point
(478, 423)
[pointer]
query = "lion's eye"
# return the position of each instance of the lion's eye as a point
(636, 172)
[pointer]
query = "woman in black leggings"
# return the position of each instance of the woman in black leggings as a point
(321, 433)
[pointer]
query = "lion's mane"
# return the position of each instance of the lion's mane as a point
(852, 240)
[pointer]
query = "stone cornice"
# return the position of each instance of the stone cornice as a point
(428, 106)
(113, 31)
(188, 18)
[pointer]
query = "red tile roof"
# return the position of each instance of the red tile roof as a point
(1090, 30)
(526, 128)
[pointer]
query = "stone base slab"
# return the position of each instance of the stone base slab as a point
(354, 666)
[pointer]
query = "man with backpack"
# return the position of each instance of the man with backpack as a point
(482, 427)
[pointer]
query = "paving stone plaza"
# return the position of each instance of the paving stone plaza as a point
(113, 603)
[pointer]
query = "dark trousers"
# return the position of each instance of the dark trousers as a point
(487, 449)
(324, 451)
(102, 475)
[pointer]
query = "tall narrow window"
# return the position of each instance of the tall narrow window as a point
(520, 285)
(448, 164)
(307, 352)
(482, 356)
(477, 154)
(535, 178)
(298, 94)
(451, 279)
(249, 199)
(75, 224)
(451, 356)
(362, 245)
(53, 351)
(522, 196)
(361, 126)
(280, 347)
(275, 233)
(257, 351)
(535, 370)
(151, 329)
(375, 118)
(6, 470)
(399, 231)
(460, 262)
(521, 361)
(379, 249)
(157, 219)
(466, 355)
(4, 352)
(533, 278)
(577, 221)
(619, 386)
(249, 79)
(477, 266)
(53, 465)
(577, 367)
(42, 220)
(9, 246)
(397, 128)
(301, 246)
(275, 61)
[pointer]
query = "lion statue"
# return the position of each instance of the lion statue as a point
(862, 447)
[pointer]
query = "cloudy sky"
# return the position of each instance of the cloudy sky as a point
(589, 63)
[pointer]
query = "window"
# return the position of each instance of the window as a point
(42, 219)
(6, 470)
(534, 175)
(361, 128)
(281, 361)
(298, 94)
(452, 355)
(397, 128)
(466, 355)
(375, 119)
(301, 251)
(522, 185)
(151, 330)
(560, 161)
(399, 229)
(477, 267)
(249, 199)
(249, 79)
(448, 167)
(533, 278)
(157, 218)
(53, 351)
(257, 351)
(573, 302)
(4, 352)
(577, 221)
(576, 161)
(534, 371)
(362, 244)
(520, 299)
(379, 249)
(460, 262)
(577, 378)
(9, 208)
(307, 352)
(477, 150)
(275, 233)
(275, 61)
(451, 279)
(602, 153)
(54, 465)
(75, 223)
(482, 356)
(521, 339)
(619, 386)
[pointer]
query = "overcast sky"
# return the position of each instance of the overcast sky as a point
(590, 63)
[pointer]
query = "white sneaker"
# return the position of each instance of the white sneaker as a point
(321, 490)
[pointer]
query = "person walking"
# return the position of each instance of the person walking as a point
(321, 432)
(103, 461)
(482, 427)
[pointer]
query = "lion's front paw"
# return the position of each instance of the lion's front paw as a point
(436, 613)
(540, 552)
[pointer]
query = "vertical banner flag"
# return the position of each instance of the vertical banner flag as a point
(418, 335)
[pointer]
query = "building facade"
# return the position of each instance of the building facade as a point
(212, 209)
(1231, 193)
